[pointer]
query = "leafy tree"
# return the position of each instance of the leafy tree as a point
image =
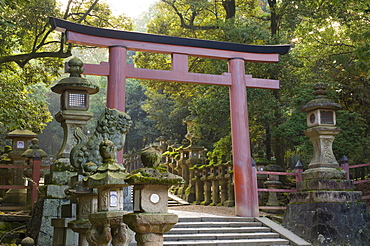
(31, 53)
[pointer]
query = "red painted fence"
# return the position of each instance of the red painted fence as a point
(33, 184)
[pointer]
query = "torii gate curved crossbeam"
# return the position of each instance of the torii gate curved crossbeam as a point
(118, 42)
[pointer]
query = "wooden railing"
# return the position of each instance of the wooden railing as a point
(345, 166)
(298, 177)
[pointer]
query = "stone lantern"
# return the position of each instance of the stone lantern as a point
(20, 139)
(107, 225)
(325, 209)
(150, 218)
(74, 103)
(321, 121)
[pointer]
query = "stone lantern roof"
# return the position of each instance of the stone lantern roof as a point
(75, 81)
(21, 134)
(152, 173)
(34, 150)
(109, 174)
(320, 102)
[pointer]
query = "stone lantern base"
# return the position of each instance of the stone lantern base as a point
(327, 210)
(108, 227)
(149, 227)
(330, 223)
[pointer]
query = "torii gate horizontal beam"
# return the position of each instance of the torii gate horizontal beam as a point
(101, 37)
(102, 69)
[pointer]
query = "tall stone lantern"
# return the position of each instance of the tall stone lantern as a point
(326, 210)
(321, 121)
(74, 103)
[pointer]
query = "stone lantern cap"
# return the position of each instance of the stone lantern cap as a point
(75, 81)
(34, 150)
(21, 134)
(320, 102)
(109, 173)
(152, 173)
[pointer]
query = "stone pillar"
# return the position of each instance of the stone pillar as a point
(326, 210)
(273, 183)
(222, 179)
(207, 185)
(230, 202)
(215, 186)
(199, 185)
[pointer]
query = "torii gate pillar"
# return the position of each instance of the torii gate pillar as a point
(245, 178)
(117, 79)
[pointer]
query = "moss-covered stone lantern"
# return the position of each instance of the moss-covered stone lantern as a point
(150, 218)
(107, 225)
(75, 91)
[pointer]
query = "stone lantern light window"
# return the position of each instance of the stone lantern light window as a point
(75, 100)
(321, 117)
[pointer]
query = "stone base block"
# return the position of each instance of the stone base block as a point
(63, 236)
(326, 196)
(325, 223)
(324, 173)
(325, 184)
(56, 191)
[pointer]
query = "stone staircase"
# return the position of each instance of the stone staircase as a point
(229, 231)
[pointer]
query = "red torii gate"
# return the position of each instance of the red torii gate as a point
(118, 42)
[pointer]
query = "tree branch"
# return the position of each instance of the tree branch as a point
(22, 59)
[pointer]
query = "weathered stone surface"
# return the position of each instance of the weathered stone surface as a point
(51, 209)
(346, 223)
(324, 173)
(56, 191)
(152, 198)
(325, 184)
(158, 223)
(148, 175)
(326, 196)
(63, 236)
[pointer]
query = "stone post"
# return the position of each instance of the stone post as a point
(150, 218)
(326, 210)
(199, 185)
(207, 185)
(222, 179)
(230, 202)
(273, 183)
(215, 185)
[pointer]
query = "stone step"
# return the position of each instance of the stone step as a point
(245, 242)
(216, 224)
(216, 219)
(219, 236)
(218, 230)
